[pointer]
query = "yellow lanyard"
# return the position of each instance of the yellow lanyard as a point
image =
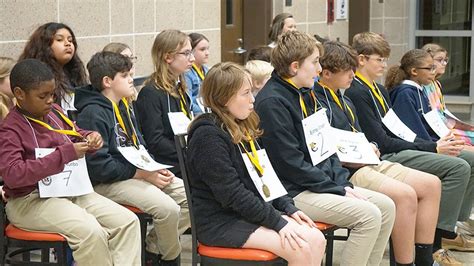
(182, 104)
(254, 156)
(338, 102)
(375, 90)
(438, 90)
(302, 104)
(69, 132)
(122, 124)
(199, 72)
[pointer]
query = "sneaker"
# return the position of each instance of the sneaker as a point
(443, 257)
(465, 227)
(460, 243)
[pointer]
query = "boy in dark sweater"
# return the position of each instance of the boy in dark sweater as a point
(102, 107)
(85, 220)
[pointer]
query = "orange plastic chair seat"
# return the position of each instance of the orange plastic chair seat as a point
(323, 226)
(133, 209)
(236, 253)
(16, 233)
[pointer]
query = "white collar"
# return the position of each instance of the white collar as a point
(412, 83)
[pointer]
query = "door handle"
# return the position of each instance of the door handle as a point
(239, 50)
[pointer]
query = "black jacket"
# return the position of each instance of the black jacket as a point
(222, 190)
(368, 109)
(337, 117)
(280, 113)
(152, 111)
(95, 112)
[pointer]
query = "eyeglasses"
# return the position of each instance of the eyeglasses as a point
(443, 61)
(431, 68)
(382, 60)
(187, 54)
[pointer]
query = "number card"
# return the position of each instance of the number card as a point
(269, 185)
(317, 132)
(397, 127)
(354, 147)
(436, 123)
(72, 181)
(141, 158)
(179, 122)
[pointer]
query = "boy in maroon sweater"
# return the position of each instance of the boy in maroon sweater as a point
(89, 222)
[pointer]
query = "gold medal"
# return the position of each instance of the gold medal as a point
(266, 190)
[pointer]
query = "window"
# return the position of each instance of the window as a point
(448, 23)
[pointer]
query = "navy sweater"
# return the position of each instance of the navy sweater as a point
(409, 103)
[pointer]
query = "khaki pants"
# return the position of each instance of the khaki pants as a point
(168, 207)
(99, 231)
(372, 177)
(370, 222)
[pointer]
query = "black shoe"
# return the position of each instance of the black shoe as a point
(174, 262)
(152, 259)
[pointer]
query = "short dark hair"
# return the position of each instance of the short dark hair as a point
(262, 52)
(338, 57)
(106, 64)
(28, 74)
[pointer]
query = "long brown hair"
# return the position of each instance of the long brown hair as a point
(167, 43)
(67, 77)
(411, 59)
(222, 83)
(277, 26)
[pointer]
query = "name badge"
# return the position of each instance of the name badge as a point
(397, 127)
(436, 123)
(269, 185)
(141, 158)
(354, 147)
(179, 122)
(72, 181)
(318, 138)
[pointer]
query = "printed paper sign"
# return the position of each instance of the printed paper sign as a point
(436, 123)
(354, 147)
(397, 127)
(72, 181)
(179, 122)
(269, 185)
(319, 141)
(141, 158)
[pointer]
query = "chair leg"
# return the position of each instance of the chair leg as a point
(329, 247)
(143, 227)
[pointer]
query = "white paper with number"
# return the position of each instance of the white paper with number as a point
(354, 147)
(72, 181)
(269, 178)
(436, 123)
(179, 122)
(317, 133)
(141, 158)
(397, 127)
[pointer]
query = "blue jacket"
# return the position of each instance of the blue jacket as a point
(193, 83)
(410, 103)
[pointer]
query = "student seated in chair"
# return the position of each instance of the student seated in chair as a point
(102, 107)
(91, 224)
(230, 179)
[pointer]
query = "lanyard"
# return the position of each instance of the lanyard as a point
(253, 157)
(69, 132)
(338, 102)
(437, 85)
(375, 90)
(182, 104)
(302, 104)
(198, 71)
(122, 124)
